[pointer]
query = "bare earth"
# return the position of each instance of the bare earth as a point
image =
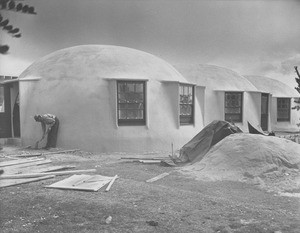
(176, 203)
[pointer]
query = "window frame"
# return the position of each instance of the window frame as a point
(132, 122)
(288, 119)
(240, 120)
(187, 119)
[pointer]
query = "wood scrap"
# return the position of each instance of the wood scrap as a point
(36, 169)
(60, 152)
(13, 182)
(19, 161)
(141, 158)
(149, 161)
(28, 155)
(111, 183)
(30, 175)
(158, 177)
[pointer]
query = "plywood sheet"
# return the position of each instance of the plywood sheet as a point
(82, 182)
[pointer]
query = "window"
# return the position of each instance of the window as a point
(233, 106)
(131, 103)
(283, 109)
(1, 99)
(186, 93)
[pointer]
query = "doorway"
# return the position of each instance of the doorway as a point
(5, 112)
(264, 111)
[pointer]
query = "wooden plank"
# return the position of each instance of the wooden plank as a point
(8, 183)
(30, 175)
(60, 152)
(149, 161)
(140, 158)
(111, 183)
(25, 165)
(36, 169)
(157, 177)
(19, 161)
(28, 155)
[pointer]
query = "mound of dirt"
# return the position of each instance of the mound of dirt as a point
(270, 162)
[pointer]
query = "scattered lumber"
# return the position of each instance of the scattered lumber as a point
(31, 175)
(35, 169)
(158, 177)
(19, 161)
(9, 182)
(111, 183)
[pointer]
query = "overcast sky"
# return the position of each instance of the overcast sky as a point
(249, 36)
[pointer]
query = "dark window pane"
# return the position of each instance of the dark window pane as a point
(283, 109)
(131, 103)
(233, 106)
(186, 94)
(122, 114)
(139, 88)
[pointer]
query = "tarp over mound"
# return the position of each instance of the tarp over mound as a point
(199, 145)
(241, 157)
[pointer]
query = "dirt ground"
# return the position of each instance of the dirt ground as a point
(176, 203)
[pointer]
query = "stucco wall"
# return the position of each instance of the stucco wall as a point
(288, 126)
(79, 87)
(215, 109)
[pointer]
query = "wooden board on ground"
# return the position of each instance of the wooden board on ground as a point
(150, 161)
(13, 182)
(31, 175)
(15, 168)
(157, 177)
(18, 161)
(35, 169)
(82, 182)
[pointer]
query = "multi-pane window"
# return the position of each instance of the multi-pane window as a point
(131, 103)
(1, 99)
(186, 93)
(283, 109)
(234, 106)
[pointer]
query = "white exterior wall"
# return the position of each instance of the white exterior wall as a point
(215, 108)
(88, 118)
(287, 126)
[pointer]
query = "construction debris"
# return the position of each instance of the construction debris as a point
(31, 175)
(9, 182)
(158, 177)
(83, 182)
(111, 183)
(25, 170)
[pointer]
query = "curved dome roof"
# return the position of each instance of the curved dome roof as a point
(217, 78)
(273, 86)
(102, 61)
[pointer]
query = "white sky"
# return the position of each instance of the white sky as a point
(259, 37)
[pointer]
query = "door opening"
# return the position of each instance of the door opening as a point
(264, 111)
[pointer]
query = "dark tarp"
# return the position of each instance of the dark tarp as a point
(196, 148)
(254, 130)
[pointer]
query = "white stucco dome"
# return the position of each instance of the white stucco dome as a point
(102, 61)
(216, 77)
(272, 86)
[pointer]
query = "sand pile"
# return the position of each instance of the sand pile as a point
(271, 162)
